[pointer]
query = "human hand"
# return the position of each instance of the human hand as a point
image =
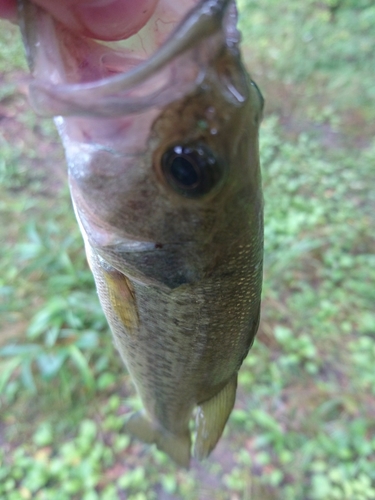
(99, 19)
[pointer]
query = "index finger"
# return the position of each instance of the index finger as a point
(101, 19)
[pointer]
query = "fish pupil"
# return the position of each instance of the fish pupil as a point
(184, 171)
(191, 170)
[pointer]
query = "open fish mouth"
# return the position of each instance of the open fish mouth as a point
(169, 56)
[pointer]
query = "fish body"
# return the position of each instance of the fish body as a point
(168, 198)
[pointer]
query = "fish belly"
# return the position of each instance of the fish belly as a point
(183, 349)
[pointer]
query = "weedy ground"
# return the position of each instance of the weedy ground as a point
(304, 423)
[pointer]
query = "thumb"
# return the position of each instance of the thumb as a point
(101, 19)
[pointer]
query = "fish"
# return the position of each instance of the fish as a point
(161, 135)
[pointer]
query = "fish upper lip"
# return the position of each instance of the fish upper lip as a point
(92, 98)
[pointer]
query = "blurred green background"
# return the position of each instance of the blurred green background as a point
(303, 426)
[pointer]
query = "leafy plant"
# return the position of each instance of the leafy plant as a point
(303, 424)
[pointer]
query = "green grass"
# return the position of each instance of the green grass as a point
(303, 426)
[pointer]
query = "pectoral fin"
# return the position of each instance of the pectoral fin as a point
(176, 446)
(211, 419)
(122, 298)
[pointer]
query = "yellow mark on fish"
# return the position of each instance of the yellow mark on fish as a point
(122, 298)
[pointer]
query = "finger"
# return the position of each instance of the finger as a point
(8, 9)
(101, 19)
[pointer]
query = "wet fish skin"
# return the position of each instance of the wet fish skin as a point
(194, 298)
(178, 276)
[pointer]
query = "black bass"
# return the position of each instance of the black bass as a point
(161, 139)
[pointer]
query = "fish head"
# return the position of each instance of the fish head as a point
(161, 138)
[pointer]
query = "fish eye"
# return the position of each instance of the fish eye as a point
(192, 171)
